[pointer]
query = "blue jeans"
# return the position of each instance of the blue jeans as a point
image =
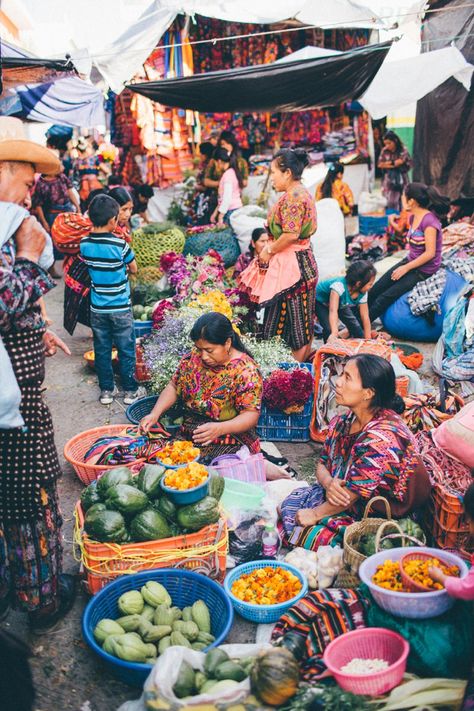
(117, 329)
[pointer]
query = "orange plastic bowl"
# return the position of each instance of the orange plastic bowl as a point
(410, 584)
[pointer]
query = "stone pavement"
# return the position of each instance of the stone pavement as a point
(67, 675)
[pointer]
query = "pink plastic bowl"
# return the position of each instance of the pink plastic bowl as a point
(368, 643)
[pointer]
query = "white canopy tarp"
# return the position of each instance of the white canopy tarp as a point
(120, 60)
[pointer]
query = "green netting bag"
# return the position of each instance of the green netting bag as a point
(223, 241)
(149, 243)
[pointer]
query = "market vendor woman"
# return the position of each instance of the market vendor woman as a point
(368, 452)
(220, 387)
(282, 279)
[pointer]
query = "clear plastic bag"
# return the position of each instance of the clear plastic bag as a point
(164, 674)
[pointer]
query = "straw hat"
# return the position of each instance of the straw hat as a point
(15, 147)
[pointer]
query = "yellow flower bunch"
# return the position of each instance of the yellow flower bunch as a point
(214, 301)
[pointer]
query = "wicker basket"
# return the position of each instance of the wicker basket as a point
(75, 449)
(352, 557)
(203, 552)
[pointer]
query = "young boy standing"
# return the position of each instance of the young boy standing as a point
(108, 258)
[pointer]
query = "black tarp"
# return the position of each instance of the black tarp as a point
(286, 86)
(444, 128)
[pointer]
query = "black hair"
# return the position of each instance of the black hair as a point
(468, 500)
(293, 159)
(428, 197)
(145, 191)
(235, 155)
(377, 374)
(120, 195)
(360, 272)
(206, 149)
(333, 172)
(113, 180)
(216, 328)
(229, 137)
(102, 209)
(256, 234)
(392, 136)
(93, 194)
(226, 157)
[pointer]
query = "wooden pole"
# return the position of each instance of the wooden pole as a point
(263, 197)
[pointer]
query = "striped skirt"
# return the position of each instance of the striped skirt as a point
(291, 314)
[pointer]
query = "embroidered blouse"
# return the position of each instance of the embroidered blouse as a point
(293, 212)
(219, 393)
(379, 459)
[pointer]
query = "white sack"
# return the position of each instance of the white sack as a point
(328, 242)
(243, 221)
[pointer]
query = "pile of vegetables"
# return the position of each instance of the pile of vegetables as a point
(142, 313)
(219, 673)
(267, 586)
(122, 508)
(366, 544)
(150, 624)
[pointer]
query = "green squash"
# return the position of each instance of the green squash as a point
(166, 507)
(106, 526)
(216, 485)
(149, 525)
(149, 480)
(118, 475)
(90, 496)
(196, 516)
(126, 499)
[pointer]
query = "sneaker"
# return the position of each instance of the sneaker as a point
(130, 396)
(107, 396)
(42, 624)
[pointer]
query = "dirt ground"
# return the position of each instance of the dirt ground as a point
(67, 674)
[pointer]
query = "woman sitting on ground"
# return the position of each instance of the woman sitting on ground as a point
(368, 452)
(220, 388)
(333, 186)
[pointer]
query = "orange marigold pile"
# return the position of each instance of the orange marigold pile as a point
(267, 586)
(187, 477)
(178, 453)
(388, 574)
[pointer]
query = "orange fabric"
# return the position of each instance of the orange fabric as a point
(412, 361)
(69, 228)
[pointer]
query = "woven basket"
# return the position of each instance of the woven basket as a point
(352, 557)
(223, 242)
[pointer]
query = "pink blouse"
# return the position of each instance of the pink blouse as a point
(228, 193)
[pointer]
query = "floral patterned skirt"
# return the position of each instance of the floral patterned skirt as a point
(31, 557)
(230, 444)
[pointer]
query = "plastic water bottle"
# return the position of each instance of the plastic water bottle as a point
(270, 541)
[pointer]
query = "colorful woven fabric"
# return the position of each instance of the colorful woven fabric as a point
(423, 411)
(379, 460)
(443, 469)
(319, 617)
(121, 449)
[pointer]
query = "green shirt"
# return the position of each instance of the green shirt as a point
(339, 285)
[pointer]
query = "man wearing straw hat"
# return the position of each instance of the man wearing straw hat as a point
(30, 520)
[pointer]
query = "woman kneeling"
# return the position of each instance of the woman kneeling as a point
(368, 452)
(220, 388)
